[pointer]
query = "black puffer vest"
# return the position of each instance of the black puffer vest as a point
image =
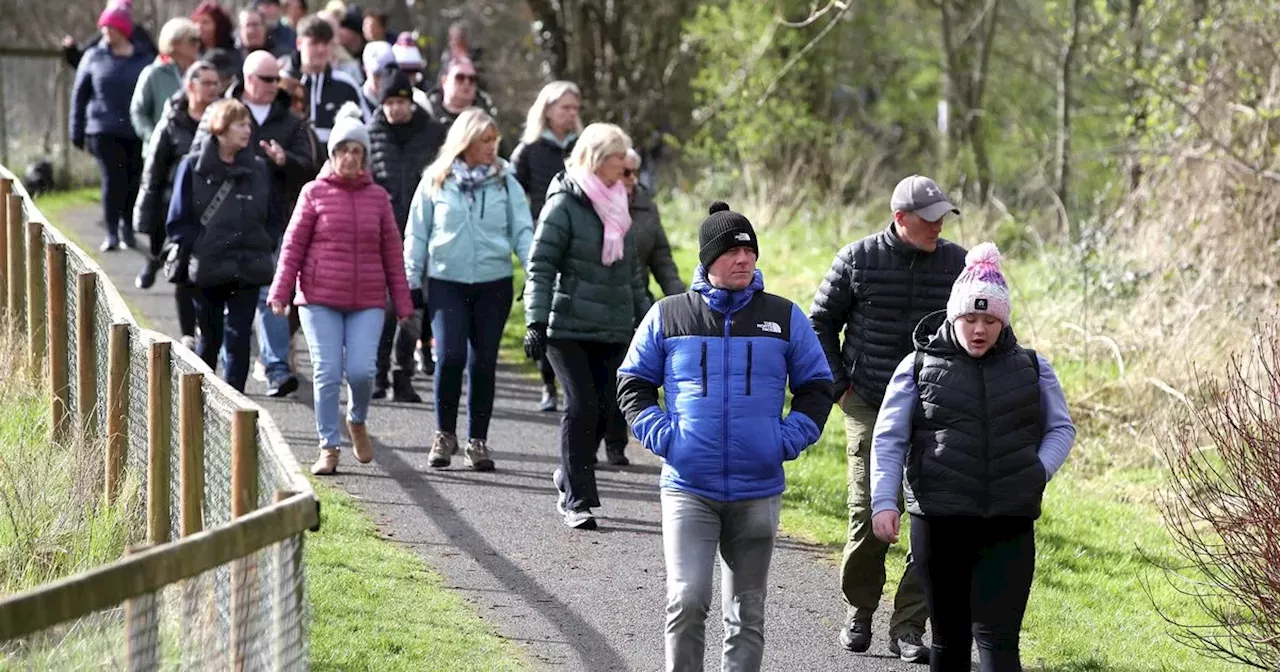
(976, 430)
(536, 164)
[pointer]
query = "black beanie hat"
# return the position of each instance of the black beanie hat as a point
(394, 84)
(722, 231)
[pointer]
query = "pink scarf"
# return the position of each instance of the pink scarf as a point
(611, 205)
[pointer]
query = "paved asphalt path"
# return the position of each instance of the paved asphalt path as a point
(589, 601)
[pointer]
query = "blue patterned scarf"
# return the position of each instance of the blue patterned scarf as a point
(470, 179)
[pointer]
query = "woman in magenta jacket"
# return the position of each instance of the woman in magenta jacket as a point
(342, 251)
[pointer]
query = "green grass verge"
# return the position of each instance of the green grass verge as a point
(56, 204)
(376, 606)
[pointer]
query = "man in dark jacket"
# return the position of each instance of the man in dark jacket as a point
(875, 293)
(284, 141)
(722, 442)
(403, 141)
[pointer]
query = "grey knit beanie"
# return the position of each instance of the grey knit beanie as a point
(348, 126)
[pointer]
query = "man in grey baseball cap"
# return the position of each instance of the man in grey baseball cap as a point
(876, 292)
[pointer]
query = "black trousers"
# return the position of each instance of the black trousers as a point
(588, 371)
(977, 576)
(226, 312)
(120, 162)
(185, 299)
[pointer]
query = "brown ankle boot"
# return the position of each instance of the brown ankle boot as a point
(361, 445)
(327, 463)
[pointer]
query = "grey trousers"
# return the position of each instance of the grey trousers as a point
(692, 528)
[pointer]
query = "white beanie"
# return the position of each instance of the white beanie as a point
(981, 287)
(348, 126)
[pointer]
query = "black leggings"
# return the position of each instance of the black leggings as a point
(589, 373)
(120, 162)
(977, 575)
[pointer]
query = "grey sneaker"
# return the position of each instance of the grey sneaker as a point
(442, 450)
(548, 403)
(477, 455)
(562, 497)
(856, 636)
(909, 646)
(190, 343)
(580, 519)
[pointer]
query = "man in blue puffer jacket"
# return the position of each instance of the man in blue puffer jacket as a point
(723, 354)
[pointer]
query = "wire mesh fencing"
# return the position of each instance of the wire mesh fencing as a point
(217, 578)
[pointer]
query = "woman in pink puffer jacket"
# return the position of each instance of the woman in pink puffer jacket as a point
(342, 251)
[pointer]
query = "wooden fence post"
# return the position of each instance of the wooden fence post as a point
(17, 260)
(87, 352)
(142, 629)
(36, 304)
(6, 188)
(191, 440)
(117, 405)
(56, 272)
(244, 499)
(159, 433)
(286, 631)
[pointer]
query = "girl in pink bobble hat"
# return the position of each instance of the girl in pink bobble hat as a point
(972, 428)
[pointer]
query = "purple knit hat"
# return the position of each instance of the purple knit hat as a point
(981, 287)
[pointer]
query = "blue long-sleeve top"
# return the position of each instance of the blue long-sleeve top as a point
(892, 434)
(102, 92)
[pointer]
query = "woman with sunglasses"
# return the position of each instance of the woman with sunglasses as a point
(459, 89)
(550, 132)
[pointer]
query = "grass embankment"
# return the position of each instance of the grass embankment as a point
(1089, 609)
(374, 604)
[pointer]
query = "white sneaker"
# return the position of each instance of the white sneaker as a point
(580, 519)
(190, 343)
(259, 371)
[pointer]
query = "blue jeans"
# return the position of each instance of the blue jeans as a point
(467, 321)
(340, 343)
(273, 339)
(692, 529)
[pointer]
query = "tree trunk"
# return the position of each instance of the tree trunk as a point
(977, 87)
(1062, 163)
(1137, 103)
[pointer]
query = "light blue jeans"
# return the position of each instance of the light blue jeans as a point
(341, 343)
(273, 339)
(692, 528)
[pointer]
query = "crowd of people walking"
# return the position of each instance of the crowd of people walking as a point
(298, 171)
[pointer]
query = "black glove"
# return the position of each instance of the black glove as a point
(535, 342)
(419, 301)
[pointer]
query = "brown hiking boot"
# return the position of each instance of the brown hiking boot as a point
(477, 456)
(361, 445)
(327, 463)
(442, 450)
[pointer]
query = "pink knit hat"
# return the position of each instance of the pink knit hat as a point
(117, 15)
(981, 287)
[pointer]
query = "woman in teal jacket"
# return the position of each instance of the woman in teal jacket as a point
(179, 48)
(468, 215)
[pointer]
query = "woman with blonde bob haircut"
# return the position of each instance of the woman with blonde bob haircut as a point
(549, 136)
(467, 217)
(578, 311)
(179, 49)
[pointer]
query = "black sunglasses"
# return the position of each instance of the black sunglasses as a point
(461, 78)
(628, 172)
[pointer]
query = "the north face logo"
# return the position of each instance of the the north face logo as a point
(770, 327)
(744, 236)
(979, 304)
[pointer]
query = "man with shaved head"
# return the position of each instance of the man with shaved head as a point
(286, 142)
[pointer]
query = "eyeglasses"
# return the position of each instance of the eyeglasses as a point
(463, 79)
(629, 172)
(267, 79)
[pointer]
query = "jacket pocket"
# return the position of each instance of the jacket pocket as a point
(704, 368)
(749, 359)
(674, 421)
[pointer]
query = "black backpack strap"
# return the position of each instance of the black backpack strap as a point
(919, 365)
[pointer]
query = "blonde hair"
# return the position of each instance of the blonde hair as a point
(551, 94)
(223, 113)
(466, 129)
(598, 142)
(633, 154)
(175, 31)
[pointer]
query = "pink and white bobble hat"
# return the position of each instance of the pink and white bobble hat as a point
(981, 287)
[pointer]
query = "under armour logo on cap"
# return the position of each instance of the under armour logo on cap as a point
(979, 304)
